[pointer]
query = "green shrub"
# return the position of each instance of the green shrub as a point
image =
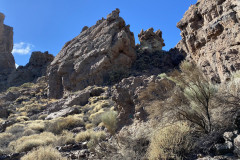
(194, 96)
(109, 120)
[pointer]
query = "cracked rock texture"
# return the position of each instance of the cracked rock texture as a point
(88, 58)
(210, 36)
(7, 62)
(151, 41)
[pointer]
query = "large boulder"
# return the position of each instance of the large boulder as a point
(210, 36)
(87, 59)
(7, 63)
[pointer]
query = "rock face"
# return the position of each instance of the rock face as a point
(36, 67)
(7, 63)
(86, 60)
(210, 36)
(151, 41)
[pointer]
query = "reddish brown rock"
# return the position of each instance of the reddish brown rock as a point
(210, 33)
(88, 58)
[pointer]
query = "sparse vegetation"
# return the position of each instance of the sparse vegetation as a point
(27, 143)
(171, 142)
(67, 123)
(43, 153)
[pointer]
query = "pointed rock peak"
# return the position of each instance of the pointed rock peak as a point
(151, 41)
(91, 57)
(114, 15)
(2, 17)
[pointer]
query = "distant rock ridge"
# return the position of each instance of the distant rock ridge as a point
(89, 58)
(35, 68)
(210, 33)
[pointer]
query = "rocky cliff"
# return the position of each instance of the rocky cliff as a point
(7, 63)
(210, 36)
(87, 59)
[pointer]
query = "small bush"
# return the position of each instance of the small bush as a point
(16, 129)
(170, 142)
(44, 153)
(37, 126)
(66, 123)
(83, 136)
(27, 85)
(5, 139)
(109, 119)
(89, 135)
(13, 89)
(65, 138)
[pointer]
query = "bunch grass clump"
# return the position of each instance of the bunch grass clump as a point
(44, 153)
(170, 142)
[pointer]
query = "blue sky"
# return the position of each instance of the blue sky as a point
(46, 25)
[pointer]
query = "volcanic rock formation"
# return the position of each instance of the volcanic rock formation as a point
(87, 59)
(210, 36)
(36, 67)
(7, 63)
(151, 41)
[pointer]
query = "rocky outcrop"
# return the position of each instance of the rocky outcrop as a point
(36, 68)
(7, 63)
(151, 41)
(87, 59)
(210, 36)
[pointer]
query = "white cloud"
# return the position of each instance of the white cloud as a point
(16, 65)
(22, 48)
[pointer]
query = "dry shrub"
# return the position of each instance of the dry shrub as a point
(89, 125)
(27, 85)
(67, 123)
(90, 134)
(159, 90)
(66, 137)
(27, 143)
(16, 129)
(170, 142)
(5, 139)
(37, 126)
(44, 153)
(109, 120)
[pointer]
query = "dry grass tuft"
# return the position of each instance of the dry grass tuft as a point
(170, 142)
(27, 143)
(44, 153)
